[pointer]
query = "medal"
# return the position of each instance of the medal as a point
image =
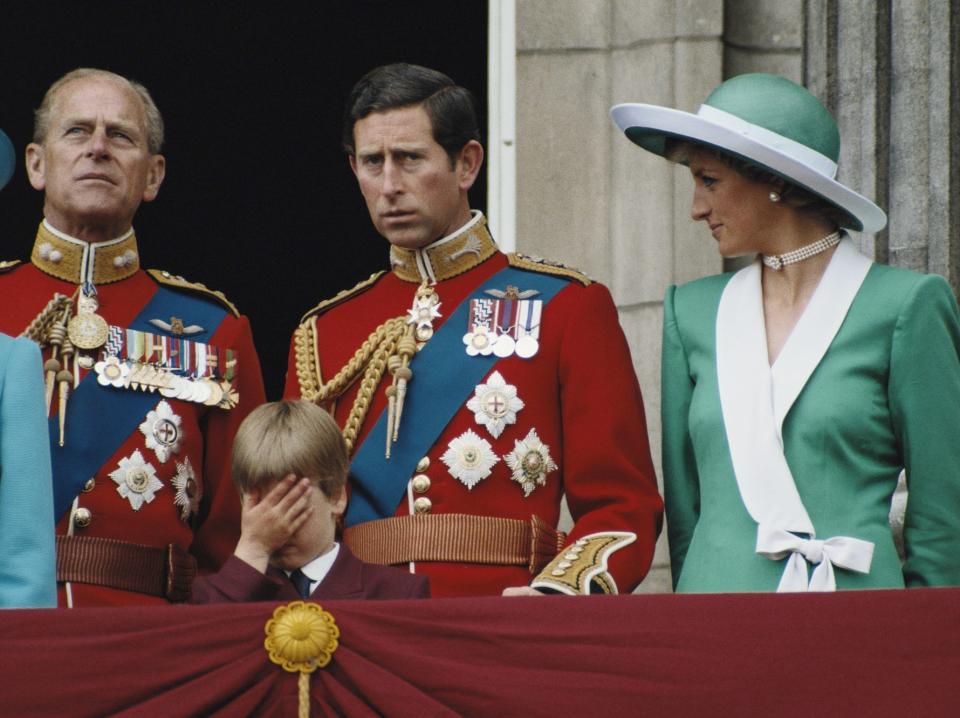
(162, 432)
(527, 347)
(87, 330)
(189, 490)
(426, 308)
(527, 329)
(504, 326)
(136, 480)
(495, 404)
(469, 458)
(481, 332)
(530, 462)
(174, 367)
(504, 346)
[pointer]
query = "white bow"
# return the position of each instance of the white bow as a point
(844, 551)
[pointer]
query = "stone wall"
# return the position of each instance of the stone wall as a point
(890, 72)
(586, 195)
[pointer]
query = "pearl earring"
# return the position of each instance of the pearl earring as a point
(774, 197)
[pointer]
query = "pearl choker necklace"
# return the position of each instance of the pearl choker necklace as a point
(776, 262)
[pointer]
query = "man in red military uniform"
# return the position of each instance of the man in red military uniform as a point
(475, 389)
(148, 375)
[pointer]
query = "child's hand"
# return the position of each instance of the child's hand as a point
(268, 522)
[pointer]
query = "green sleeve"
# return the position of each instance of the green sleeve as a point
(924, 395)
(680, 481)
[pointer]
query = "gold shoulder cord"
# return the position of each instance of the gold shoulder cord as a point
(49, 328)
(390, 345)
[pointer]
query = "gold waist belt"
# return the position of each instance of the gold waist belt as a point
(456, 538)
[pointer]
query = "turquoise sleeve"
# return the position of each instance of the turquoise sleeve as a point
(27, 559)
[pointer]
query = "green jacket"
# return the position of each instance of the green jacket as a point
(885, 396)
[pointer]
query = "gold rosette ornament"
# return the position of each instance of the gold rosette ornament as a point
(301, 637)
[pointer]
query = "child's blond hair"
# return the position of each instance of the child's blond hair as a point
(289, 437)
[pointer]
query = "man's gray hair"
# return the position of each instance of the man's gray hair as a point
(41, 117)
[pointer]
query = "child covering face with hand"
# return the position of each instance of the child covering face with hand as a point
(290, 466)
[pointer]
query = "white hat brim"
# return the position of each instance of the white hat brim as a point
(665, 122)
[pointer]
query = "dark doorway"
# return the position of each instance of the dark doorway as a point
(258, 201)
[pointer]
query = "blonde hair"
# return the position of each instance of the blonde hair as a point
(289, 437)
(154, 121)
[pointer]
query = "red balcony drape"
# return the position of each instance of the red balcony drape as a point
(875, 653)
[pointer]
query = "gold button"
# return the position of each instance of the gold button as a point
(571, 556)
(423, 465)
(88, 487)
(422, 505)
(421, 483)
(82, 518)
(558, 572)
(564, 564)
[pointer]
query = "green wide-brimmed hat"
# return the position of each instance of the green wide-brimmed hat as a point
(769, 121)
(7, 159)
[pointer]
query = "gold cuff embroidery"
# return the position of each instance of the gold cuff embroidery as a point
(584, 563)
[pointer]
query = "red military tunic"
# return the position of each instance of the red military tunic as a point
(204, 518)
(579, 395)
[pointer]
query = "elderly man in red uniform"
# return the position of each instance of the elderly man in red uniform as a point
(147, 375)
(474, 388)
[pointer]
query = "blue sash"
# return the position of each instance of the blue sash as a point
(447, 378)
(99, 418)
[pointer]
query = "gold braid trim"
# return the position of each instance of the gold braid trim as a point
(305, 349)
(343, 296)
(371, 378)
(582, 565)
(370, 358)
(39, 329)
(545, 266)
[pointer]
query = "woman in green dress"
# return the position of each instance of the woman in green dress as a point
(795, 390)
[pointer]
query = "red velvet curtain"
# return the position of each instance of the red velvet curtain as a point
(875, 653)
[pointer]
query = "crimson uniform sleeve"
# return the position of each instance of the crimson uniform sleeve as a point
(219, 526)
(609, 480)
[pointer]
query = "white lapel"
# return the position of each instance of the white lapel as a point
(746, 400)
(817, 327)
(755, 399)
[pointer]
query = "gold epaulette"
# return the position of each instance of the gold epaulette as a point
(178, 282)
(7, 264)
(545, 266)
(342, 296)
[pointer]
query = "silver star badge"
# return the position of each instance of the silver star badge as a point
(189, 490)
(469, 458)
(495, 404)
(136, 480)
(162, 431)
(530, 462)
